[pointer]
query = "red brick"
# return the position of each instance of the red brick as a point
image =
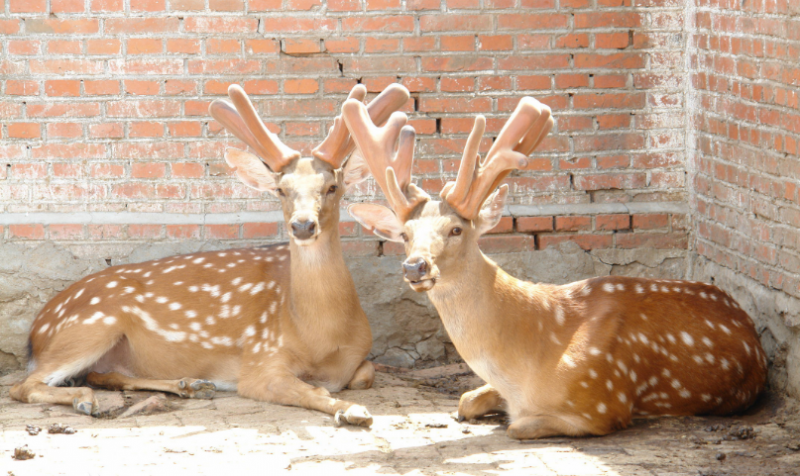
(104, 46)
(650, 221)
(146, 129)
(64, 130)
(221, 232)
(184, 129)
(142, 88)
(22, 87)
(573, 223)
(147, 5)
(612, 222)
(183, 232)
(27, 6)
(145, 231)
(108, 130)
(506, 225)
(28, 232)
(259, 230)
(65, 232)
(611, 40)
(98, 6)
(24, 130)
(101, 87)
(24, 47)
(495, 42)
(342, 45)
(381, 45)
(457, 43)
(67, 6)
(144, 46)
(528, 224)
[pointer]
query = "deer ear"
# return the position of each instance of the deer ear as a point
(355, 170)
(382, 221)
(492, 210)
(251, 170)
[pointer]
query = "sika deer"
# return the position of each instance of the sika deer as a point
(281, 323)
(578, 359)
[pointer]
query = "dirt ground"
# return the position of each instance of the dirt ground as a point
(414, 433)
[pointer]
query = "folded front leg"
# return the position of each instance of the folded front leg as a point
(279, 385)
(480, 402)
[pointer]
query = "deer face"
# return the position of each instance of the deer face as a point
(309, 190)
(437, 239)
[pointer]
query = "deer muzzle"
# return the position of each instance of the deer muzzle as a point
(417, 271)
(304, 230)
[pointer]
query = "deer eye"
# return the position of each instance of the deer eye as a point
(455, 231)
(332, 190)
(404, 237)
(281, 192)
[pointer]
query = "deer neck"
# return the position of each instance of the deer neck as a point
(322, 292)
(481, 298)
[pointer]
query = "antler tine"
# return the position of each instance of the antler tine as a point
(275, 153)
(524, 130)
(225, 113)
(338, 144)
(391, 167)
(458, 191)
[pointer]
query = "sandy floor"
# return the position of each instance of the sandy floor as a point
(413, 433)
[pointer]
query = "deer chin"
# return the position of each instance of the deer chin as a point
(422, 285)
(305, 242)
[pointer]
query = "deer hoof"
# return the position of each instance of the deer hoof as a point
(355, 415)
(87, 408)
(202, 389)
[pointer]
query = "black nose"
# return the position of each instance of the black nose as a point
(303, 230)
(415, 268)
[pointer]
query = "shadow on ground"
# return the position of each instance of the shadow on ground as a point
(414, 433)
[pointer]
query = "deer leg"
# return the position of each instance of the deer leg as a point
(363, 377)
(185, 387)
(34, 390)
(542, 426)
(479, 402)
(286, 389)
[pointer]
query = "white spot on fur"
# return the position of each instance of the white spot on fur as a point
(94, 300)
(112, 284)
(686, 338)
(601, 408)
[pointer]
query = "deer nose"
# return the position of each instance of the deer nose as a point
(303, 230)
(415, 268)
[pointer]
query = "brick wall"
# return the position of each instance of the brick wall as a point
(106, 138)
(746, 79)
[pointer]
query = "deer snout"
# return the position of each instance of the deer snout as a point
(415, 268)
(303, 229)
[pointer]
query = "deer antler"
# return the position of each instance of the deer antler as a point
(391, 167)
(241, 119)
(338, 144)
(524, 131)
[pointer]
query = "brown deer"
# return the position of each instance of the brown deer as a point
(577, 359)
(280, 323)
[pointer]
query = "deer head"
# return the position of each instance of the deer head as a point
(309, 188)
(441, 236)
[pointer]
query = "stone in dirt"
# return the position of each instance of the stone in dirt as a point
(23, 452)
(58, 428)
